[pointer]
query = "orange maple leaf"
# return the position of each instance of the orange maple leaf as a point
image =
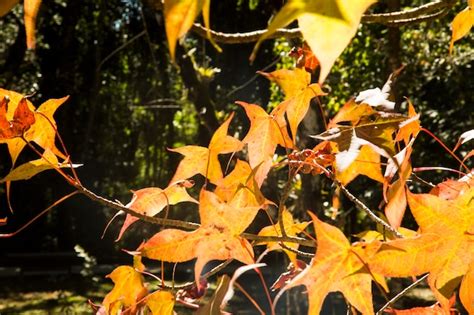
(445, 247)
(338, 266)
(292, 228)
(218, 237)
(453, 222)
(266, 132)
(22, 120)
(151, 201)
(42, 131)
(204, 161)
(366, 163)
(298, 93)
(128, 290)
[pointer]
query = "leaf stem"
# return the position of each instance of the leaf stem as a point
(57, 202)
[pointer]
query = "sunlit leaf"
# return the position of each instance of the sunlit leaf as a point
(31, 11)
(461, 25)
(338, 266)
(218, 237)
(292, 228)
(327, 26)
(29, 169)
(128, 290)
(42, 132)
(204, 161)
(366, 163)
(151, 201)
(160, 303)
(266, 132)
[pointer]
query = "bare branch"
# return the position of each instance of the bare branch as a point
(422, 13)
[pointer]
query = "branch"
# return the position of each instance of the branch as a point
(366, 209)
(416, 15)
(184, 224)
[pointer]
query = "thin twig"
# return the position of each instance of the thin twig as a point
(401, 294)
(39, 215)
(366, 209)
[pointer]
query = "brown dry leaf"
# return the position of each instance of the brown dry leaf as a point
(22, 120)
(43, 131)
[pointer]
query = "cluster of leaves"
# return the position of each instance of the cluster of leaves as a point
(363, 136)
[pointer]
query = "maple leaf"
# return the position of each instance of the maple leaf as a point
(351, 112)
(240, 176)
(376, 132)
(292, 228)
(42, 131)
(218, 237)
(22, 120)
(453, 222)
(31, 8)
(151, 201)
(298, 93)
(30, 169)
(327, 26)
(160, 303)
(305, 58)
(410, 128)
(204, 161)
(445, 247)
(377, 97)
(396, 193)
(128, 290)
(462, 24)
(266, 132)
(338, 266)
(180, 16)
(366, 163)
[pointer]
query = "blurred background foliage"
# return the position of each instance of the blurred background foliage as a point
(128, 103)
